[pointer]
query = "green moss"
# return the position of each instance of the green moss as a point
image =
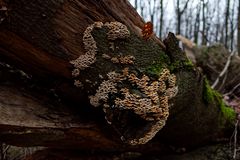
(211, 96)
(177, 65)
(154, 69)
(229, 114)
(208, 92)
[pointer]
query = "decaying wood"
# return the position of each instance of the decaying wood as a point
(26, 120)
(42, 38)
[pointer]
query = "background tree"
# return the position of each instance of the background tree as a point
(197, 24)
(238, 30)
(179, 12)
(232, 24)
(226, 22)
(161, 19)
(201, 21)
(204, 21)
(217, 23)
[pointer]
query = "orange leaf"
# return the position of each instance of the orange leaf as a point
(147, 30)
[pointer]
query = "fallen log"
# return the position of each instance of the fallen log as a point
(93, 55)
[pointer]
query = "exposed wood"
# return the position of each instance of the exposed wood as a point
(26, 120)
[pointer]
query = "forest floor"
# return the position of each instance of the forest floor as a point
(209, 152)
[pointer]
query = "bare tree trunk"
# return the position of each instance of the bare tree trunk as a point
(204, 36)
(142, 8)
(226, 23)
(218, 22)
(179, 14)
(161, 19)
(189, 21)
(232, 26)
(136, 4)
(238, 30)
(178, 31)
(187, 24)
(197, 24)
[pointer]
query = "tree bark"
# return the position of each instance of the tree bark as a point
(204, 22)
(227, 14)
(197, 24)
(179, 14)
(45, 38)
(161, 19)
(238, 28)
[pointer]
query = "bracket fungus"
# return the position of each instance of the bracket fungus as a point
(115, 30)
(85, 60)
(128, 59)
(143, 97)
(134, 103)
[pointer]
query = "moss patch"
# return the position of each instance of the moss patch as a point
(177, 65)
(211, 96)
(208, 92)
(229, 115)
(154, 69)
(157, 67)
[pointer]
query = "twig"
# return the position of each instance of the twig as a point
(224, 70)
(235, 140)
(6, 149)
(223, 82)
(226, 94)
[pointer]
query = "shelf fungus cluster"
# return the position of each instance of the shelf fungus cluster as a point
(115, 30)
(148, 99)
(134, 104)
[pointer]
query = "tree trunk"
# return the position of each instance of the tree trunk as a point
(179, 14)
(217, 22)
(197, 24)
(226, 22)
(232, 28)
(161, 19)
(204, 41)
(68, 51)
(238, 30)
(135, 4)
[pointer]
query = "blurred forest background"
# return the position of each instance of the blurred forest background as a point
(205, 22)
